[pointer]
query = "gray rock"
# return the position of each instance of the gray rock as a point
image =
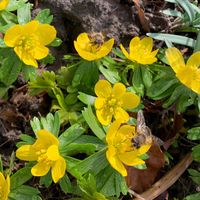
(107, 16)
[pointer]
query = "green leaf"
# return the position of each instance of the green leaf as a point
(197, 45)
(93, 123)
(186, 5)
(194, 175)
(178, 39)
(8, 17)
(73, 149)
(193, 197)
(91, 139)
(86, 99)
(94, 163)
(173, 13)
(35, 124)
(56, 43)
(15, 4)
(86, 76)
(196, 153)
(24, 13)
(66, 184)
(44, 16)
(194, 133)
(20, 177)
(27, 138)
(25, 192)
(10, 69)
(70, 135)
(162, 88)
(110, 74)
(46, 180)
(110, 182)
(146, 76)
(137, 80)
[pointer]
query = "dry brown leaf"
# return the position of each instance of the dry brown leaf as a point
(140, 180)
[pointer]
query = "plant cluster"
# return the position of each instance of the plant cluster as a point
(91, 138)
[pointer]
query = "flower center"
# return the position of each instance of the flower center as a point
(112, 103)
(27, 43)
(42, 157)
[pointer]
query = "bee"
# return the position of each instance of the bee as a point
(96, 38)
(143, 132)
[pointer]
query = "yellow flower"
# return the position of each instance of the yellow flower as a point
(141, 51)
(3, 4)
(112, 102)
(29, 41)
(4, 187)
(189, 73)
(45, 152)
(120, 147)
(89, 50)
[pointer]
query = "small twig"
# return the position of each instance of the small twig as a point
(135, 194)
(168, 180)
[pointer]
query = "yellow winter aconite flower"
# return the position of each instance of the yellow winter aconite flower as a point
(45, 151)
(189, 73)
(4, 187)
(29, 41)
(3, 4)
(141, 51)
(90, 50)
(120, 147)
(113, 102)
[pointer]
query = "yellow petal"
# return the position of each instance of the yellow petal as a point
(30, 27)
(45, 140)
(45, 33)
(58, 169)
(195, 86)
(53, 153)
(40, 169)
(40, 52)
(12, 35)
(105, 48)
(133, 44)
(126, 130)
(103, 119)
(194, 60)
(154, 53)
(144, 148)
(83, 53)
(2, 180)
(3, 4)
(147, 44)
(26, 152)
(175, 59)
(130, 158)
(99, 102)
(121, 114)
(119, 89)
(114, 161)
(83, 40)
(124, 51)
(130, 100)
(103, 88)
(6, 188)
(27, 58)
(112, 131)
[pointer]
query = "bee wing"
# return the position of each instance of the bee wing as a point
(140, 121)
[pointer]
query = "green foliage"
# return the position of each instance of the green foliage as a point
(193, 197)
(93, 123)
(24, 13)
(50, 122)
(44, 16)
